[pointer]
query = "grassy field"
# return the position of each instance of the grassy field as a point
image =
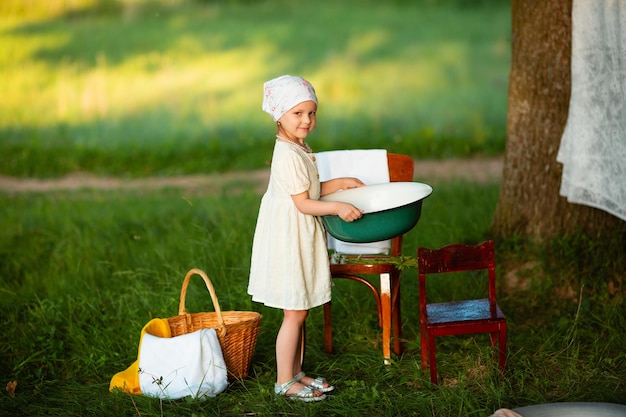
(137, 87)
(81, 272)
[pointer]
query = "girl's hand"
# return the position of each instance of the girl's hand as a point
(352, 183)
(342, 183)
(348, 212)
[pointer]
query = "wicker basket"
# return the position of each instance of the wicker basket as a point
(237, 331)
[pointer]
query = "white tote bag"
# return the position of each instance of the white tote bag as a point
(190, 365)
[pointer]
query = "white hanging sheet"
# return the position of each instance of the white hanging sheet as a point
(593, 146)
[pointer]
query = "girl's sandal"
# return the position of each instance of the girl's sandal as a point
(306, 394)
(317, 384)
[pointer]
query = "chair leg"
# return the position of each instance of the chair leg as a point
(385, 309)
(424, 343)
(502, 346)
(494, 339)
(396, 320)
(432, 359)
(328, 328)
(497, 340)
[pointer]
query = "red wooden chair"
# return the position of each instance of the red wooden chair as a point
(459, 317)
(388, 294)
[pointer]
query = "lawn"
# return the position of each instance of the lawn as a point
(138, 88)
(81, 272)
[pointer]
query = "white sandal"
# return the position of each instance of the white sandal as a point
(317, 384)
(306, 394)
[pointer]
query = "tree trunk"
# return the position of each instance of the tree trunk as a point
(539, 92)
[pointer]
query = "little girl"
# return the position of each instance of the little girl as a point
(289, 265)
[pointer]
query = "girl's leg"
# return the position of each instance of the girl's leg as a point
(288, 347)
(297, 364)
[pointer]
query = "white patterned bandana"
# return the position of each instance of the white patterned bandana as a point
(284, 93)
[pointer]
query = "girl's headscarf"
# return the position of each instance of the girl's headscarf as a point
(285, 92)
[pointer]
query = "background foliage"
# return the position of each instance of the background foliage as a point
(141, 87)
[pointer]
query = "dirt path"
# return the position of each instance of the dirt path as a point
(476, 169)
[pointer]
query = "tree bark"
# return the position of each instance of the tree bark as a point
(529, 204)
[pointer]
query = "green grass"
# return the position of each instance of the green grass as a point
(137, 87)
(81, 272)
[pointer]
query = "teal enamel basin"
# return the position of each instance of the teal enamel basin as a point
(390, 210)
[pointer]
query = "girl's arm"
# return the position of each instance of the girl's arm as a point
(330, 186)
(306, 205)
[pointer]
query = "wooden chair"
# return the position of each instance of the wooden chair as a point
(459, 317)
(388, 295)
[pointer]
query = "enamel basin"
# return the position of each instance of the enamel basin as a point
(390, 210)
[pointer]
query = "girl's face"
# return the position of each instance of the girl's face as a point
(299, 121)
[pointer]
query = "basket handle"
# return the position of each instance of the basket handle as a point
(183, 294)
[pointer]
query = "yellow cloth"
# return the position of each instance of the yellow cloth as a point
(128, 380)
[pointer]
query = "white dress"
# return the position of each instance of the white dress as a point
(289, 265)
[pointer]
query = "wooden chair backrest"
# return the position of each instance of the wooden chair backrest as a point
(457, 258)
(401, 169)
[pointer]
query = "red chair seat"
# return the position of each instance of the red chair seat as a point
(463, 313)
